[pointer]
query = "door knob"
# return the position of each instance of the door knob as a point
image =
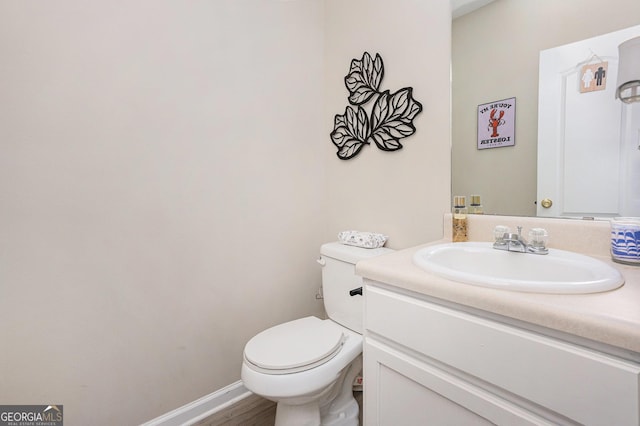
(546, 203)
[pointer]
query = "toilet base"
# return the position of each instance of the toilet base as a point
(302, 415)
(339, 408)
(345, 415)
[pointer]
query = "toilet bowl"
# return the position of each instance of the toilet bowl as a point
(307, 366)
(309, 374)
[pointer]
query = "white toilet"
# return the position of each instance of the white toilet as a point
(308, 365)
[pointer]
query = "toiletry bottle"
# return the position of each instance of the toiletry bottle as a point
(459, 219)
(475, 207)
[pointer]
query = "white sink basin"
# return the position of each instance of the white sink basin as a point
(480, 264)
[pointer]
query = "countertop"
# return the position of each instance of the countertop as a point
(611, 317)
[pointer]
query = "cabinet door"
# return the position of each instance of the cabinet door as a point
(403, 391)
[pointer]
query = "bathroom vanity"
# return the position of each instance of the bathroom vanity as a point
(442, 352)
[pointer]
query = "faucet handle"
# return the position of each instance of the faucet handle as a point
(538, 237)
(499, 231)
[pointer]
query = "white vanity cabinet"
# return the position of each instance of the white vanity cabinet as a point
(428, 362)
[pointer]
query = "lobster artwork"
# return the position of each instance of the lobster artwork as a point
(495, 122)
(494, 116)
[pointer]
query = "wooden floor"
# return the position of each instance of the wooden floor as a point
(252, 411)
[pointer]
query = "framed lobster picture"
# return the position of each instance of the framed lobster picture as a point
(497, 124)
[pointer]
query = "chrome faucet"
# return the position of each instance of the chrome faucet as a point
(508, 241)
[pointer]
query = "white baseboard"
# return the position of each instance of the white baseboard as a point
(201, 408)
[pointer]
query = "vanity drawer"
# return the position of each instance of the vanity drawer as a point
(582, 384)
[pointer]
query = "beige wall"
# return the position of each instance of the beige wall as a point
(403, 193)
(167, 178)
(162, 196)
(495, 56)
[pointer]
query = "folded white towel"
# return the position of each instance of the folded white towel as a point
(368, 240)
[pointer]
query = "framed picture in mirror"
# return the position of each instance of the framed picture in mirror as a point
(497, 124)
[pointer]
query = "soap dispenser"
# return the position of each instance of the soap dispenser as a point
(459, 219)
(475, 207)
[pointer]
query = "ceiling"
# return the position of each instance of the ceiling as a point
(461, 7)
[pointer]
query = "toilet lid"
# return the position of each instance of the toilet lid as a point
(296, 345)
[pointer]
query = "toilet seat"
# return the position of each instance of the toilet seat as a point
(294, 346)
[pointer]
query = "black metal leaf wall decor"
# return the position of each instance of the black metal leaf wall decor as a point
(389, 120)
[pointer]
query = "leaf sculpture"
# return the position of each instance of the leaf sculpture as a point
(391, 116)
(364, 78)
(350, 132)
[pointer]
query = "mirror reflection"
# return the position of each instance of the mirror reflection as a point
(495, 56)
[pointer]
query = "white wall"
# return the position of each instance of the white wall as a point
(167, 177)
(403, 193)
(495, 56)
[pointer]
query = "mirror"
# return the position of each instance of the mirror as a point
(495, 54)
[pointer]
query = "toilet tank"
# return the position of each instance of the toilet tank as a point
(339, 278)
